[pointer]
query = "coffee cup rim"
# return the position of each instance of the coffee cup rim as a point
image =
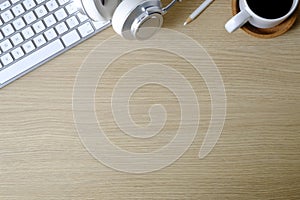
(252, 13)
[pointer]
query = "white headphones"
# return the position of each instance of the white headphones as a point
(132, 19)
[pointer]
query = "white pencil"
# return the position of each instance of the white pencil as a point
(198, 11)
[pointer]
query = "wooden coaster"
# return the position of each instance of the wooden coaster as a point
(266, 32)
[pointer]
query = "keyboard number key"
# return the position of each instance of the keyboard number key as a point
(7, 16)
(85, 29)
(40, 11)
(29, 4)
(51, 5)
(18, 10)
(4, 5)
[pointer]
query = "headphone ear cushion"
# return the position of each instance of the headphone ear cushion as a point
(95, 10)
(122, 13)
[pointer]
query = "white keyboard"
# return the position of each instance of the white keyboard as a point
(33, 32)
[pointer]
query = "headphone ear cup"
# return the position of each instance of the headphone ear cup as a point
(95, 10)
(122, 13)
(131, 15)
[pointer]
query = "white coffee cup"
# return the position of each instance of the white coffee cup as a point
(246, 14)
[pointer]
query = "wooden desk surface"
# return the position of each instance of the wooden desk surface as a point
(256, 157)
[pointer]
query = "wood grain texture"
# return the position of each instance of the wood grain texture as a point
(256, 157)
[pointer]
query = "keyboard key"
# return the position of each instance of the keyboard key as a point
(30, 17)
(99, 25)
(7, 59)
(82, 17)
(49, 20)
(71, 8)
(17, 53)
(72, 22)
(71, 38)
(15, 1)
(31, 60)
(60, 14)
(1, 36)
(86, 29)
(28, 47)
(18, 10)
(51, 5)
(40, 1)
(28, 4)
(6, 45)
(7, 16)
(8, 30)
(61, 28)
(19, 24)
(40, 11)
(62, 2)
(27, 33)
(50, 34)
(38, 27)
(17, 39)
(39, 40)
(4, 5)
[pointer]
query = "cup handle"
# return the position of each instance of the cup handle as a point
(237, 21)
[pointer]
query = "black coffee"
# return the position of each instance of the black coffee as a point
(270, 9)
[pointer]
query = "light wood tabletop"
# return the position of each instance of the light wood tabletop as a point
(256, 157)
